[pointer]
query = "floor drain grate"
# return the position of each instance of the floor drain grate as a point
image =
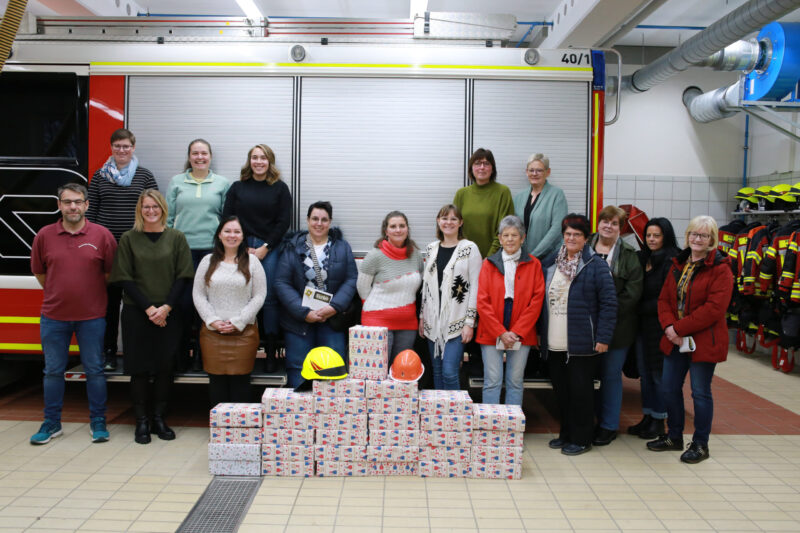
(222, 506)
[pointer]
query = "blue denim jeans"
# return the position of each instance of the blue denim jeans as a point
(446, 367)
(271, 318)
(610, 400)
(493, 373)
(650, 379)
(399, 340)
(56, 335)
(298, 346)
(676, 365)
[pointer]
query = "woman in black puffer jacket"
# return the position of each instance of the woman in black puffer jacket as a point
(656, 258)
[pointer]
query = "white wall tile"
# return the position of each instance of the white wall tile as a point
(697, 208)
(662, 191)
(644, 189)
(719, 212)
(681, 190)
(626, 187)
(680, 209)
(647, 206)
(609, 188)
(699, 190)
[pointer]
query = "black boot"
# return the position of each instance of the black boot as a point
(270, 348)
(142, 432)
(160, 428)
(653, 429)
(110, 363)
(643, 423)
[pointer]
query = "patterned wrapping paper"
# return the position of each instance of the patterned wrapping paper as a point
(394, 468)
(446, 454)
(369, 340)
(445, 402)
(342, 468)
(403, 406)
(443, 469)
(495, 470)
(228, 415)
(394, 438)
(387, 421)
(286, 452)
(455, 439)
(490, 417)
(391, 389)
(290, 421)
(384, 454)
(233, 452)
(287, 401)
(298, 437)
(234, 468)
(237, 435)
(341, 437)
(340, 405)
(497, 438)
(352, 388)
(287, 468)
(337, 421)
(340, 453)
(370, 367)
(446, 422)
(497, 454)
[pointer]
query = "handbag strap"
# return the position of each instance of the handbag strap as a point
(317, 269)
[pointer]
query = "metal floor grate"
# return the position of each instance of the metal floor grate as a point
(222, 506)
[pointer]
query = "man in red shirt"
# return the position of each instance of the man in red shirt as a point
(72, 260)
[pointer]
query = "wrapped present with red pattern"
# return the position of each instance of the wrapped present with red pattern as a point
(290, 421)
(298, 437)
(394, 468)
(341, 437)
(446, 422)
(287, 468)
(340, 421)
(404, 406)
(287, 452)
(389, 421)
(287, 401)
(342, 468)
(455, 439)
(391, 389)
(443, 469)
(445, 402)
(497, 438)
(218, 451)
(340, 453)
(352, 388)
(447, 454)
(394, 438)
(368, 367)
(244, 415)
(497, 454)
(340, 405)
(496, 470)
(491, 417)
(384, 454)
(234, 468)
(237, 435)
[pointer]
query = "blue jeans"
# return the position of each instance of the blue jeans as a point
(446, 367)
(56, 335)
(610, 401)
(676, 365)
(270, 311)
(650, 379)
(493, 373)
(298, 346)
(399, 340)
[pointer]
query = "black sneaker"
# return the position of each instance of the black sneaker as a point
(695, 453)
(603, 436)
(664, 443)
(575, 449)
(557, 443)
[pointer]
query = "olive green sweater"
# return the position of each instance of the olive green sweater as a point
(483, 207)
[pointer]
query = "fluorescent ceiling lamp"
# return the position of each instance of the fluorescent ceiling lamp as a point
(250, 9)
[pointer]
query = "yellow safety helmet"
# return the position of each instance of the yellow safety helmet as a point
(323, 363)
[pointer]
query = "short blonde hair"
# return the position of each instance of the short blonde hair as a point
(703, 222)
(158, 198)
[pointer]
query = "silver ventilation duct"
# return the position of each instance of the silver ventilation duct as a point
(742, 55)
(713, 105)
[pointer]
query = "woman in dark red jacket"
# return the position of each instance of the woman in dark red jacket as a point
(510, 294)
(691, 309)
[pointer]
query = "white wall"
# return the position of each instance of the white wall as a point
(774, 157)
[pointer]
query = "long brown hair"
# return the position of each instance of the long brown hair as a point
(273, 174)
(409, 244)
(218, 253)
(444, 211)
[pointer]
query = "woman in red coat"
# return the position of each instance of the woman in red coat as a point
(691, 309)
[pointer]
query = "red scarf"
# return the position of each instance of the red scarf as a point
(393, 252)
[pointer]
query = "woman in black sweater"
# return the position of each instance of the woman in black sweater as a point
(656, 258)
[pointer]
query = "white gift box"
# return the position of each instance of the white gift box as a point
(237, 435)
(289, 421)
(455, 439)
(340, 405)
(339, 421)
(447, 454)
(391, 389)
(368, 367)
(406, 406)
(496, 454)
(298, 437)
(496, 470)
(370, 340)
(491, 417)
(342, 468)
(445, 402)
(443, 469)
(388, 421)
(340, 453)
(287, 401)
(385, 454)
(233, 452)
(394, 438)
(341, 437)
(446, 422)
(394, 469)
(287, 468)
(497, 438)
(352, 388)
(234, 468)
(286, 452)
(227, 415)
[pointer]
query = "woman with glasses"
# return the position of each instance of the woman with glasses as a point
(484, 203)
(691, 309)
(541, 206)
(113, 193)
(153, 266)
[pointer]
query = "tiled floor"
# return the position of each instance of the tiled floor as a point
(751, 482)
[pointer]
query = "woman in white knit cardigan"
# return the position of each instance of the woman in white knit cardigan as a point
(449, 296)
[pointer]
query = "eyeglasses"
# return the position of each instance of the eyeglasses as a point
(537, 170)
(151, 208)
(76, 203)
(701, 236)
(122, 147)
(481, 164)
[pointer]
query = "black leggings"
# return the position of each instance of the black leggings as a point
(140, 387)
(228, 388)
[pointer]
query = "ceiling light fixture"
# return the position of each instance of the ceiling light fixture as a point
(250, 9)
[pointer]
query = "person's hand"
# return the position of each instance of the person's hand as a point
(158, 315)
(600, 347)
(672, 336)
(509, 338)
(421, 328)
(218, 325)
(466, 334)
(260, 252)
(325, 313)
(313, 317)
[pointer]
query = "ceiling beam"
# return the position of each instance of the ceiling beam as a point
(586, 23)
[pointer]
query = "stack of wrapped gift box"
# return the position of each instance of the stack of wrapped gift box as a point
(341, 421)
(445, 434)
(288, 447)
(497, 441)
(393, 448)
(367, 350)
(236, 434)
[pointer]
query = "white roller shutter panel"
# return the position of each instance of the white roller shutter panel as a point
(231, 113)
(515, 119)
(370, 146)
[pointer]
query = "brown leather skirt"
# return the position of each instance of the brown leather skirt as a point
(229, 354)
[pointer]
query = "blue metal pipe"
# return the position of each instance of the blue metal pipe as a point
(745, 149)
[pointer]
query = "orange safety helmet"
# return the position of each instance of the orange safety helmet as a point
(406, 367)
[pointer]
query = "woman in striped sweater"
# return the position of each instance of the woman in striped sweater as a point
(388, 281)
(113, 194)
